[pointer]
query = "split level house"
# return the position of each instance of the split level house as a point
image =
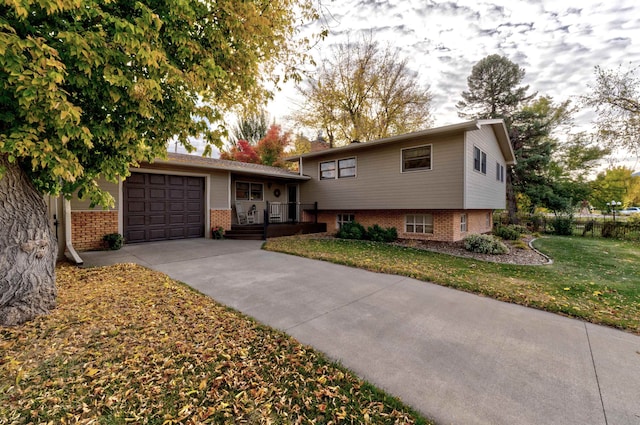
(437, 184)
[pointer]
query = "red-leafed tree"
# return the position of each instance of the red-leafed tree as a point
(243, 151)
(271, 147)
(268, 151)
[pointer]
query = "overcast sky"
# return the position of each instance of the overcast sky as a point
(558, 42)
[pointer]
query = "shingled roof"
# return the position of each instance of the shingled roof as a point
(234, 166)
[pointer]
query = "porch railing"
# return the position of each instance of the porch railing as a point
(290, 212)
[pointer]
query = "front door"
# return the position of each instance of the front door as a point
(292, 199)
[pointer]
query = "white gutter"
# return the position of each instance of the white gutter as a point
(67, 234)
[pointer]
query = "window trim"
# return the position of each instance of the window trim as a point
(249, 198)
(483, 163)
(464, 223)
(340, 219)
(425, 225)
(479, 161)
(355, 167)
(415, 170)
(336, 168)
(499, 172)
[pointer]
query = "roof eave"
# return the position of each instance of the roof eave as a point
(452, 128)
(500, 130)
(234, 169)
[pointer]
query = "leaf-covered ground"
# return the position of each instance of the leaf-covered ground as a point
(594, 279)
(129, 345)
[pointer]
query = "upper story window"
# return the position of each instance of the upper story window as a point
(499, 172)
(416, 159)
(327, 170)
(249, 191)
(345, 168)
(479, 160)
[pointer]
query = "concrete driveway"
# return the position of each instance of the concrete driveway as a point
(456, 357)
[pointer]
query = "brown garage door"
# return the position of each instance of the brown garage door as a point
(161, 206)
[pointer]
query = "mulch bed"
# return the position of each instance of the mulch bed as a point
(521, 256)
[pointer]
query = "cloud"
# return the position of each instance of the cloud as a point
(557, 42)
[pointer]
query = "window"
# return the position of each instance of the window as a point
(249, 191)
(476, 158)
(346, 168)
(479, 160)
(463, 223)
(418, 223)
(499, 172)
(327, 170)
(416, 159)
(488, 223)
(344, 219)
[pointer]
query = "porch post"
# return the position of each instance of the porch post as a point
(315, 212)
(265, 221)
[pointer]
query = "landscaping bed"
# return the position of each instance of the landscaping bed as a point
(522, 255)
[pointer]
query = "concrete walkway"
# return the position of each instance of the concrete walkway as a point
(456, 357)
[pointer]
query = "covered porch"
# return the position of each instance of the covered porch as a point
(274, 219)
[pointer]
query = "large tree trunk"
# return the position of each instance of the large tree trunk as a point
(28, 249)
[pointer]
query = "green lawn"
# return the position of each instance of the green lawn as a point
(594, 279)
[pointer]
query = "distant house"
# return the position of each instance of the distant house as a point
(439, 184)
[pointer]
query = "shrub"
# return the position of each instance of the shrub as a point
(612, 230)
(562, 225)
(520, 244)
(114, 240)
(537, 221)
(523, 230)
(217, 232)
(507, 232)
(485, 244)
(378, 234)
(351, 230)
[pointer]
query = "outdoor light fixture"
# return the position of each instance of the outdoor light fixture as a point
(613, 205)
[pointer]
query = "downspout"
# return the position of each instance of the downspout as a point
(67, 234)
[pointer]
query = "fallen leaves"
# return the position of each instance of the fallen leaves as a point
(129, 345)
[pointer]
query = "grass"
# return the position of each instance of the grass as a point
(597, 280)
(129, 345)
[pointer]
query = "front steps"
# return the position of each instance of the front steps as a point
(253, 232)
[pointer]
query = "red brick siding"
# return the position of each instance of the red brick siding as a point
(220, 218)
(88, 228)
(446, 223)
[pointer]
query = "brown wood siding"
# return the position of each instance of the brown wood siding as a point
(380, 184)
(484, 191)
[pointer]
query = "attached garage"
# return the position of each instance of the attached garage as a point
(163, 206)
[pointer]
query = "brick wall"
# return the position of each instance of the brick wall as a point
(446, 223)
(220, 218)
(478, 222)
(88, 228)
